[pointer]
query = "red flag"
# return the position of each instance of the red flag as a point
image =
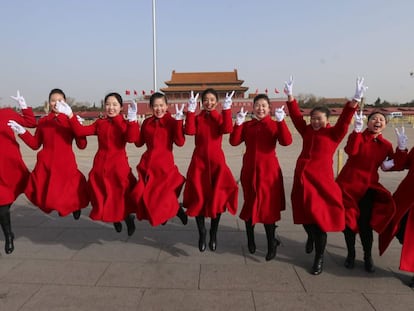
(135, 92)
(143, 92)
(266, 90)
(277, 91)
(257, 91)
(152, 91)
(127, 92)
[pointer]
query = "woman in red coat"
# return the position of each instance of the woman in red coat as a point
(316, 197)
(110, 180)
(261, 175)
(159, 181)
(402, 224)
(210, 187)
(56, 173)
(368, 205)
(13, 172)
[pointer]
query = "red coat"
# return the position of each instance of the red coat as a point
(56, 183)
(159, 181)
(404, 202)
(360, 173)
(261, 176)
(111, 179)
(13, 171)
(316, 197)
(210, 187)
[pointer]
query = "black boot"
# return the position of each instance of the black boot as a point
(76, 214)
(411, 284)
(213, 232)
(202, 233)
(309, 241)
(6, 227)
(129, 221)
(350, 245)
(272, 242)
(368, 263)
(182, 215)
(118, 226)
(250, 237)
(320, 245)
(366, 241)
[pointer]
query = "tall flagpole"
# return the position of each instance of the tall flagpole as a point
(154, 48)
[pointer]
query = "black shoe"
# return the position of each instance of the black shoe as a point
(129, 220)
(76, 214)
(118, 226)
(411, 284)
(9, 245)
(202, 241)
(213, 241)
(271, 250)
(369, 264)
(349, 262)
(309, 245)
(182, 215)
(317, 265)
(251, 246)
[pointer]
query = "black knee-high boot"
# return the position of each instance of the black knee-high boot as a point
(5, 223)
(309, 242)
(320, 238)
(213, 232)
(350, 245)
(251, 245)
(129, 221)
(182, 215)
(201, 232)
(367, 238)
(272, 242)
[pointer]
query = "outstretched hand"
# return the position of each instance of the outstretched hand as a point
(241, 116)
(20, 100)
(192, 102)
(228, 101)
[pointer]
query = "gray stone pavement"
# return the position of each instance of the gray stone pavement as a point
(63, 264)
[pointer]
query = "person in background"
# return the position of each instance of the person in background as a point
(261, 175)
(316, 197)
(13, 171)
(159, 181)
(210, 187)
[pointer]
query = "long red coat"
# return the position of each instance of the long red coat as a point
(56, 182)
(404, 202)
(159, 181)
(360, 173)
(210, 187)
(316, 197)
(261, 176)
(110, 180)
(13, 171)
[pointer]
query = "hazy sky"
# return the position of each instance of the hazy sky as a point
(91, 47)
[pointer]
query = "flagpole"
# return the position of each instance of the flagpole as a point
(154, 48)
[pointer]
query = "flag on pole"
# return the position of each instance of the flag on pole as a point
(266, 91)
(135, 93)
(127, 92)
(152, 91)
(257, 91)
(277, 91)
(143, 92)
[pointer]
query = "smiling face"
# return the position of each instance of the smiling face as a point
(159, 107)
(261, 108)
(112, 106)
(209, 101)
(53, 99)
(318, 120)
(376, 123)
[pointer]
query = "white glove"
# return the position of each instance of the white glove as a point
(280, 114)
(20, 100)
(179, 112)
(16, 127)
(358, 121)
(80, 119)
(288, 90)
(241, 116)
(387, 165)
(132, 111)
(64, 108)
(228, 101)
(401, 138)
(360, 89)
(192, 102)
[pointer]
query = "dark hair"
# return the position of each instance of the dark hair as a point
(57, 91)
(209, 91)
(376, 112)
(261, 96)
(116, 95)
(322, 109)
(155, 96)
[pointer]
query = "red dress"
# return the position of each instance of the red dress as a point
(360, 173)
(56, 182)
(316, 197)
(404, 202)
(210, 187)
(159, 181)
(261, 176)
(111, 179)
(13, 171)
